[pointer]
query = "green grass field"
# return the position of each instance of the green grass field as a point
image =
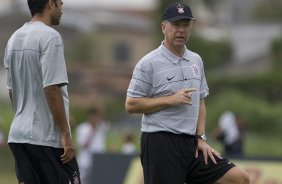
(256, 145)
(7, 173)
(253, 147)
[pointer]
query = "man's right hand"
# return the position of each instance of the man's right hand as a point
(183, 96)
(69, 150)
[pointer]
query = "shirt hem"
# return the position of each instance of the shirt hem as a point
(148, 130)
(54, 83)
(36, 143)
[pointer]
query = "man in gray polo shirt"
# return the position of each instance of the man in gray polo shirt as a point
(168, 87)
(40, 136)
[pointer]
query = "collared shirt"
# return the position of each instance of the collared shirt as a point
(162, 73)
(34, 59)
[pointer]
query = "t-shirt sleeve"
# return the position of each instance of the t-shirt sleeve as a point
(8, 75)
(53, 63)
(204, 89)
(140, 84)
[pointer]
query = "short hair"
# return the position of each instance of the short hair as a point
(37, 6)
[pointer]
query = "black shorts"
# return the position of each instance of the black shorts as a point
(170, 158)
(42, 165)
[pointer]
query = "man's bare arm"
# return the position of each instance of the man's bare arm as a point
(201, 126)
(207, 150)
(56, 106)
(145, 105)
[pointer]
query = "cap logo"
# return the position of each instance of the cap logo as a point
(180, 8)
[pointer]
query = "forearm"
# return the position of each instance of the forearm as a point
(146, 105)
(56, 106)
(202, 118)
(150, 105)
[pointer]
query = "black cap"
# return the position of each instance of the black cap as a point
(177, 11)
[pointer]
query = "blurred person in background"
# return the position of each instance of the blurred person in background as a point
(2, 136)
(128, 146)
(40, 136)
(230, 132)
(91, 138)
(168, 87)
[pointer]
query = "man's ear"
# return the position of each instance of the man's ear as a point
(163, 27)
(50, 3)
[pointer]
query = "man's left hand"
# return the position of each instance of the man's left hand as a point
(208, 152)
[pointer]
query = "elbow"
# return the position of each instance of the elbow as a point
(129, 108)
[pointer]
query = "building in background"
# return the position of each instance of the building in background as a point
(105, 39)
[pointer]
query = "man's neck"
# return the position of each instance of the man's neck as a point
(178, 51)
(41, 18)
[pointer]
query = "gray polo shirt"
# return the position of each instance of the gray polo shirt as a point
(162, 73)
(34, 59)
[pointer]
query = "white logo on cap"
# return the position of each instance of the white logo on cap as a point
(180, 8)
